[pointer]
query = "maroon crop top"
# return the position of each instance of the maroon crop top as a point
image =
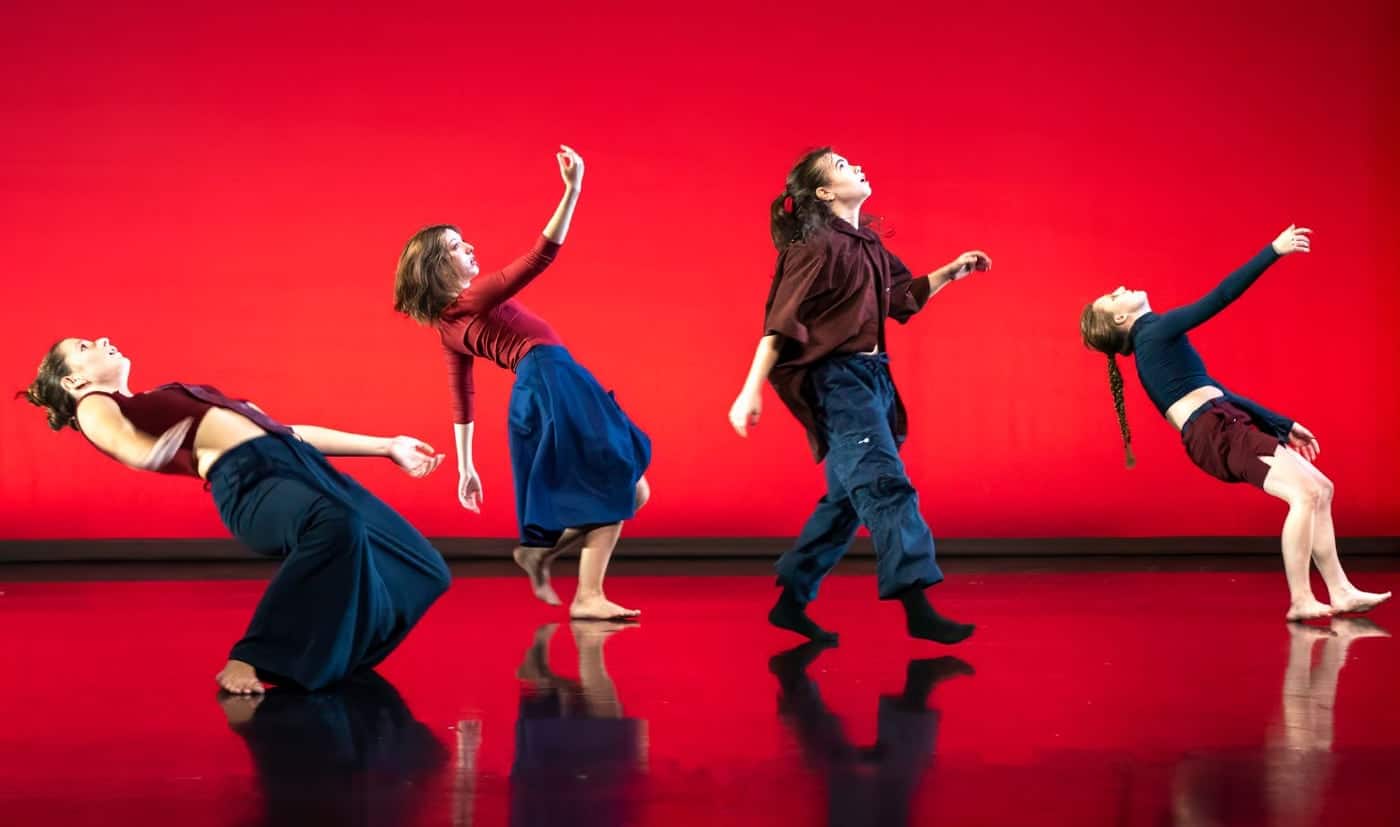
(156, 411)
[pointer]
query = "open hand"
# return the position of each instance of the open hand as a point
(1293, 240)
(414, 456)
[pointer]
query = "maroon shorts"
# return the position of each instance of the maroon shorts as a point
(1224, 442)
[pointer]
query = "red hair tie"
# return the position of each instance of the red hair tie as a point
(787, 204)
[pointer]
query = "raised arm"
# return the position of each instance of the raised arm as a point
(571, 170)
(485, 292)
(103, 423)
(1178, 321)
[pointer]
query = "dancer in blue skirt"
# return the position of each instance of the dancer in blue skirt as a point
(355, 576)
(578, 460)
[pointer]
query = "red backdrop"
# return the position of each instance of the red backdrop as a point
(224, 194)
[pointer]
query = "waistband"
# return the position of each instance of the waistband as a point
(1205, 407)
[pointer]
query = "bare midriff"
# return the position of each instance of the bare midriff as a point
(219, 431)
(1183, 407)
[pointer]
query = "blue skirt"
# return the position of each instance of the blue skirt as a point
(575, 454)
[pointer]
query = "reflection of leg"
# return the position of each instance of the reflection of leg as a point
(800, 704)
(589, 601)
(464, 773)
(599, 692)
(1300, 726)
(1291, 483)
(535, 667)
(1300, 756)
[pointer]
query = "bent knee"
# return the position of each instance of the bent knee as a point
(333, 520)
(643, 493)
(1311, 494)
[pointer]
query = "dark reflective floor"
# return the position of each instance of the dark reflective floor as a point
(1088, 696)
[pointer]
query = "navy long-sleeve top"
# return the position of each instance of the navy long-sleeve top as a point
(1169, 366)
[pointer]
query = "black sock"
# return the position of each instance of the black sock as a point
(788, 614)
(923, 622)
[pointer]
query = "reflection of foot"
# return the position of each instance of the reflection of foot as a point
(788, 614)
(239, 708)
(1355, 628)
(1308, 609)
(1355, 601)
(790, 665)
(597, 631)
(1301, 632)
(535, 562)
(535, 667)
(240, 678)
(599, 608)
(922, 675)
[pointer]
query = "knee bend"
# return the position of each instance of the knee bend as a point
(338, 524)
(885, 488)
(1326, 490)
(643, 493)
(1312, 495)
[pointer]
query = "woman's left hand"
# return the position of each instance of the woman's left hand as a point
(414, 456)
(1302, 440)
(570, 167)
(1294, 239)
(964, 265)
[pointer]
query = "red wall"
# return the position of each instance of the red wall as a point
(224, 194)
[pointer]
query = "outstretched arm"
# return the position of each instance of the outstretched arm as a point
(908, 295)
(414, 456)
(1182, 319)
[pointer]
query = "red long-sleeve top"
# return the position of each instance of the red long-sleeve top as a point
(487, 321)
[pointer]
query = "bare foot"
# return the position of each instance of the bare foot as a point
(1308, 609)
(1355, 601)
(239, 709)
(599, 608)
(1355, 628)
(535, 562)
(240, 678)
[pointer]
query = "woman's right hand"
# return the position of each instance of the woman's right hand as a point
(167, 445)
(745, 411)
(570, 167)
(469, 490)
(1292, 240)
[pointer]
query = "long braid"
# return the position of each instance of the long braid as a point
(1115, 384)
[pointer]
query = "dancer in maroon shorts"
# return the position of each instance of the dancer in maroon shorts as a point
(1226, 435)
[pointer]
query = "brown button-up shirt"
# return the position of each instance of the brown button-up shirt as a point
(830, 296)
